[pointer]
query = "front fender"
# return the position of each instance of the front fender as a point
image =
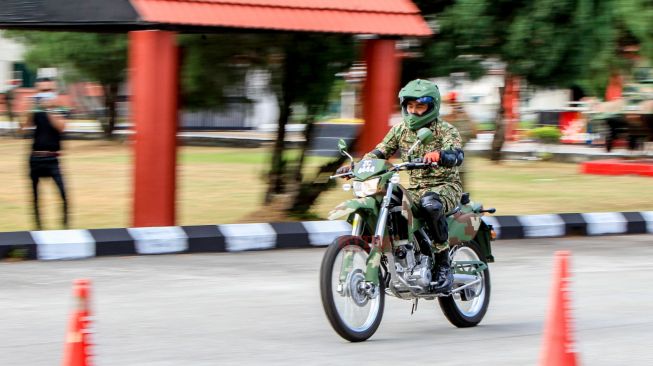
(366, 206)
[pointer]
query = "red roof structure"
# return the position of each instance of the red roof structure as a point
(374, 17)
(381, 17)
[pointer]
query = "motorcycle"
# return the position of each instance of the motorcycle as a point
(389, 252)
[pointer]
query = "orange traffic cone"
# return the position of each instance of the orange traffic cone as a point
(77, 347)
(559, 348)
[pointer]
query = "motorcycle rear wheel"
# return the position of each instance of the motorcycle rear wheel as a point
(352, 314)
(461, 312)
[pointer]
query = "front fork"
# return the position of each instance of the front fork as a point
(374, 260)
(376, 252)
(348, 257)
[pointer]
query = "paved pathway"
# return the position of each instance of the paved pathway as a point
(264, 308)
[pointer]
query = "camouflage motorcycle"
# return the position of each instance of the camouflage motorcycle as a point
(389, 252)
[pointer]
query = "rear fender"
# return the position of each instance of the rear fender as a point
(483, 238)
(463, 227)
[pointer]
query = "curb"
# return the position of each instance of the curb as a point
(87, 243)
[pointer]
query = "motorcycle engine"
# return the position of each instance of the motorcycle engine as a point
(421, 274)
(416, 271)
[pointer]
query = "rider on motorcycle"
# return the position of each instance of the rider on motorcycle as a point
(437, 190)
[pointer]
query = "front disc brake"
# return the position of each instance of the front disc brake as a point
(355, 287)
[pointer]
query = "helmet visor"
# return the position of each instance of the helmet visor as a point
(429, 101)
(425, 100)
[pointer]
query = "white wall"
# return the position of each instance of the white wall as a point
(266, 108)
(10, 52)
(547, 99)
(481, 97)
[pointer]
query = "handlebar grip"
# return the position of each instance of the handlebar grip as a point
(490, 210)
(420, 165)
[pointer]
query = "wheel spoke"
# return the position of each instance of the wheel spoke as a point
(473, 305)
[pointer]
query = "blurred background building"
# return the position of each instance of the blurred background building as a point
(12, 66)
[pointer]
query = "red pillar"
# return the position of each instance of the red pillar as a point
(614, 89)
(511, 106)
(380, 91)
(153, 62)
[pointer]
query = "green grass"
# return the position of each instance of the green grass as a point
(223, 157)
(223, 185)
(489, 125)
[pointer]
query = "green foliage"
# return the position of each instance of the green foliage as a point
(546, 134)
(315, 60)
(637, 18)
(91, 56)
(214, 67)
(486, 126)
(547, 42)
(541, 43)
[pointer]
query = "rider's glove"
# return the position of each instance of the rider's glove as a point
(432, 157)
(344, 170)
(451, 158)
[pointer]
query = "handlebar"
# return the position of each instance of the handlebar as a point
(349, 174)
(416, 164)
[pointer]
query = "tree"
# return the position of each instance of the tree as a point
(303, 70)
(214, 66)
(546, 42)
(98, 57)
(306, 76)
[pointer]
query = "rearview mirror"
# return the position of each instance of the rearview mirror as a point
(342, 146)
(425, 135)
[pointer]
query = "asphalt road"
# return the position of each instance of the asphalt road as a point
(264, 308)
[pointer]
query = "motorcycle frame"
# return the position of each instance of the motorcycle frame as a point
(377, 249)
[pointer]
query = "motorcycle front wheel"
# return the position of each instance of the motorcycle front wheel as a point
(467, 308)
(352, 312)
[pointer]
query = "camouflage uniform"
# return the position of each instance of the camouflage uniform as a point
(443, 181)
(465, 126)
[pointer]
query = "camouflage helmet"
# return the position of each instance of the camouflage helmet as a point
(422, 91)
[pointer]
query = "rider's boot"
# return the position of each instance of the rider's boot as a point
(443, 275)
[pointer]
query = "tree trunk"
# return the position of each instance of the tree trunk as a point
(308, 135)
(275, 185)
(286, 98)
(309, 191)
(108, 121)
(499, 129)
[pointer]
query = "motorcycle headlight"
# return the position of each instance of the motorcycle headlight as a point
(366, 188)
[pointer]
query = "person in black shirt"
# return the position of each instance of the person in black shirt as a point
(48, 123)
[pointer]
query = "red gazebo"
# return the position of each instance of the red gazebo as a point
(154, 69)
